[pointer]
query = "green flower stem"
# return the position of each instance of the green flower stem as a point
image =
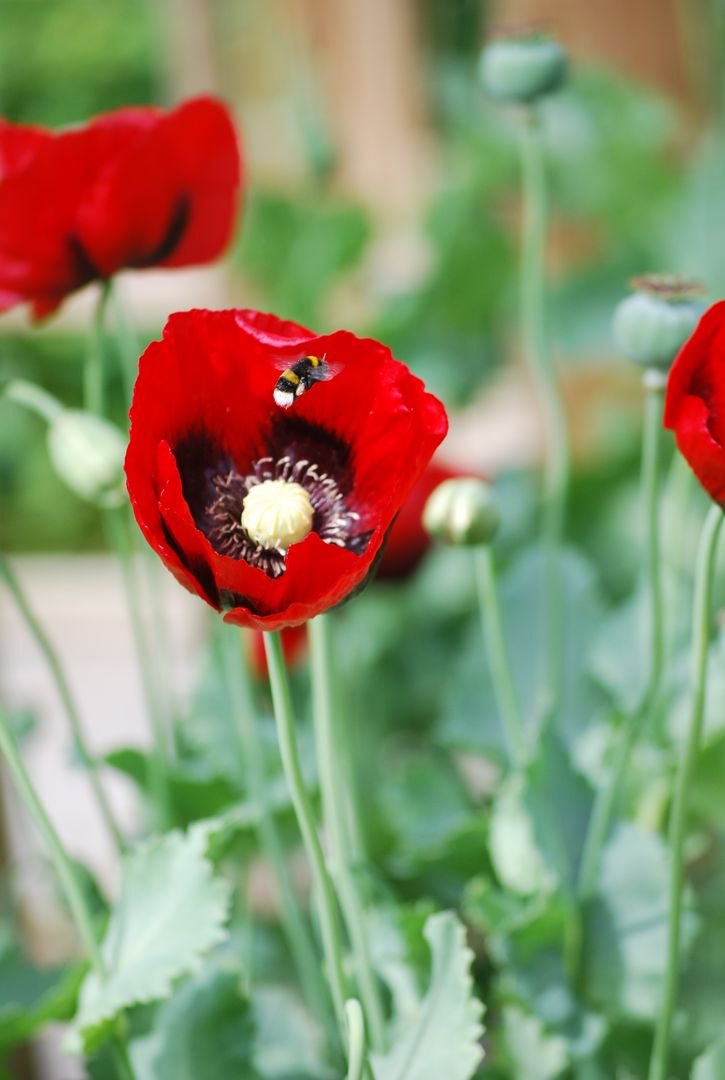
(94, 372)
(66, 872)
(654, 385)
(127, 344)
(324, 891)
(493, 634)
(246, 730)
(538, 352)
(66, 697)
(704, 572)
(335, 810)
(607, 795)
(355, 1039)
(117, 527)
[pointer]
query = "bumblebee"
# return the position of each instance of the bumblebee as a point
(296, 380)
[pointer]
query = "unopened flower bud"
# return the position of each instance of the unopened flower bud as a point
(87, 453)
(462, 512)
(652, 325)
(521, 66)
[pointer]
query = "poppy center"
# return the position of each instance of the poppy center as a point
(277, 514)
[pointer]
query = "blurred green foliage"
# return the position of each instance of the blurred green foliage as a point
(61, 61)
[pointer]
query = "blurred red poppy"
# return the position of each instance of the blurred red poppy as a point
(408, 541)
(695, 401)
(209, 444)
(136, 188)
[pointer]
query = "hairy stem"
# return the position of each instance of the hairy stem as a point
(335, 808)
(679, 812)
(252, 756)
(493, 633)
(324, 892)
(538, 353)
(64, 692)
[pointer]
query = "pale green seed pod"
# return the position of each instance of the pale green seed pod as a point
(462, 512)
(87, 454)
(652, 325)
(520, 69)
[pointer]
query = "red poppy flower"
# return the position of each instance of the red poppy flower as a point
(407, 540)
(135, 188)
(695, 401)
(318, 483)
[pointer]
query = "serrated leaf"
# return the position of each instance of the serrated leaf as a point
(206, 1029)
(171, 912)
(444, 1038)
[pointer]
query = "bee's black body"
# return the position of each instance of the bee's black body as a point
(295, 380)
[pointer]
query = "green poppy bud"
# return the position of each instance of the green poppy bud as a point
(462, 512)
(520, 68)
(87, 453)
(652, 325)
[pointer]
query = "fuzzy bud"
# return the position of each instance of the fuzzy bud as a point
(87, 453)
(652, 325)
(462, 512)
(520, 67)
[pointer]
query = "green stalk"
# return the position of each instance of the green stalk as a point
(538, 353)
(251, 754)
(493, 633)
(324, 892)
(127, 344)
(63, 688)
(66, 872)
(336, 807)
(94, 372)
(117, 528)
(704, 572)
(607, 795)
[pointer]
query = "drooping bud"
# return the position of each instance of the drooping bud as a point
(462, 512)
(652, 325)
(87, 453)
(522, 65)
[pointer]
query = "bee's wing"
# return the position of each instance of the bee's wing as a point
(328, 369)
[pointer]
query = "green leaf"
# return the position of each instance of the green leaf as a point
(559, 801)
(295, 249)
(711, 1064)
(206, 1029)
(534, 1054)
(171, 912)
(288, 1043)
(514, 852)
(444, 1038)
(626, 936)
(471, 719)
(195, 792)
(31, 997)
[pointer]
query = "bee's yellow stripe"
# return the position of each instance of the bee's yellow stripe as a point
(290, 376)
(314, 360)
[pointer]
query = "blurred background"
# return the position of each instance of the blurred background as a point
(381, 195)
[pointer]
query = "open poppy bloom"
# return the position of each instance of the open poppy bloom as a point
(138, 187)
(695, 402)
(272, 514)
